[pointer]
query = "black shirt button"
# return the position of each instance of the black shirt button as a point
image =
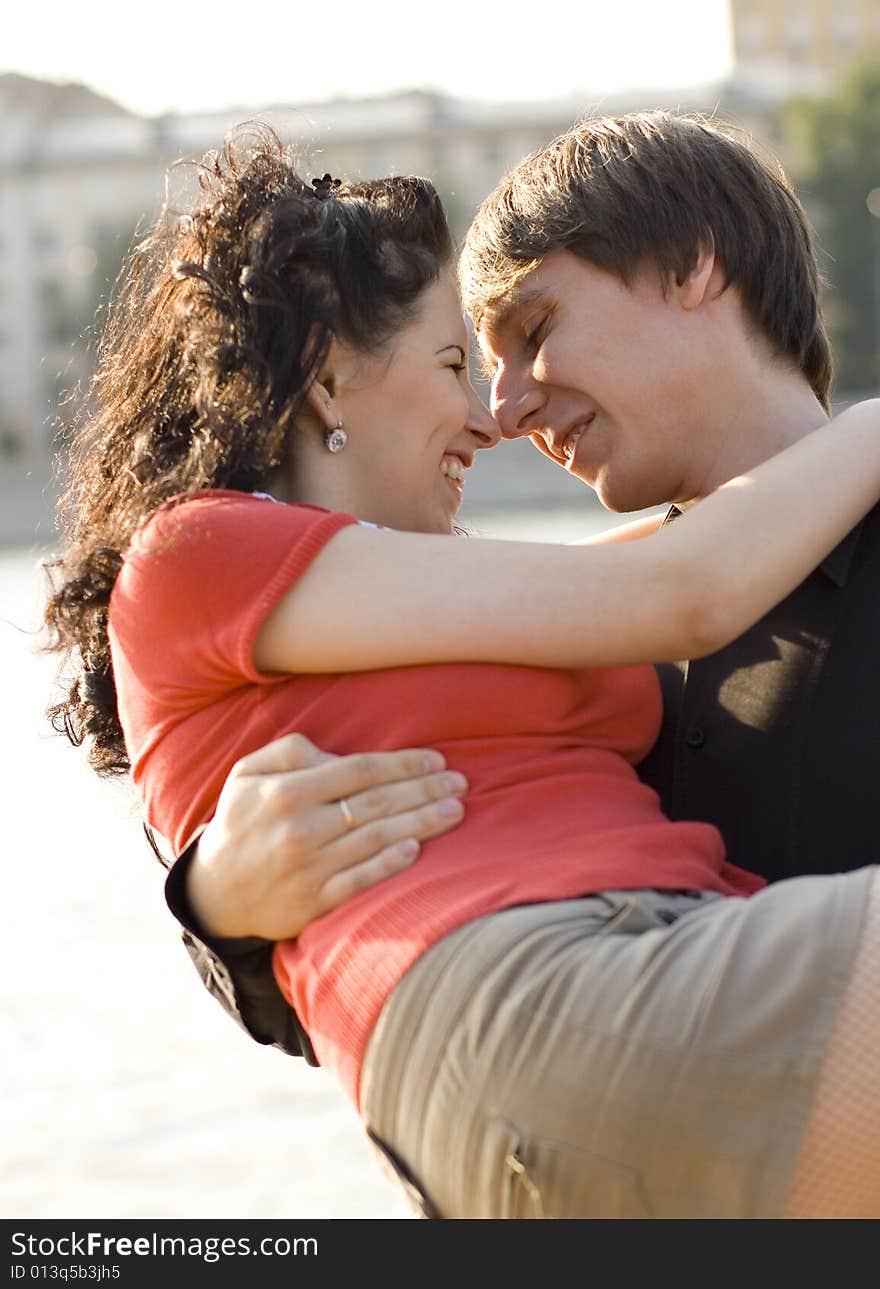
(695, 737)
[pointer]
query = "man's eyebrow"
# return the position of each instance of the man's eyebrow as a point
(500, 318)
(445, 347)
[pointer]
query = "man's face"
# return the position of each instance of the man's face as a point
(608, 380)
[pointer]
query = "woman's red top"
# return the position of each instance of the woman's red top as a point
(555, 808)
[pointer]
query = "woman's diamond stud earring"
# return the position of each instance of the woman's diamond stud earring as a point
(335, 440)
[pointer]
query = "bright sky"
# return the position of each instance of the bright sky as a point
(161, 55)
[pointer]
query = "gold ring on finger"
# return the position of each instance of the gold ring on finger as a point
(346, 813)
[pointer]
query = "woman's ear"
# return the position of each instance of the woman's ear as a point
(320, 402)
(320, 394)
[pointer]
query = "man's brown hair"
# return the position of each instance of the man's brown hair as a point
(655, 186)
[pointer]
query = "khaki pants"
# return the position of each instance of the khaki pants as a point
(632, 1054)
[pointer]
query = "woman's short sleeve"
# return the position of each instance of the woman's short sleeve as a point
(199, 580)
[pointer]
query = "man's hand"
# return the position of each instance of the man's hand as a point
(297, 832)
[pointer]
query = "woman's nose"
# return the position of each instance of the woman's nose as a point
(482, 424)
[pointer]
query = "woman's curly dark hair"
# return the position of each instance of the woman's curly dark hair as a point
(219, 323)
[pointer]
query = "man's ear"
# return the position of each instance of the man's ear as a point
(704, 281)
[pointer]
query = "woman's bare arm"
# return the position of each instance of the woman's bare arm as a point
(374, 599)
(632, 531)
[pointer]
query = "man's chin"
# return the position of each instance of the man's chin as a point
(624, 496)
(606, 489)
(601, 484)
(588, 477)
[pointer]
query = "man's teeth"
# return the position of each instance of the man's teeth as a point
(453, 469)
(570, 445)
(571, 442)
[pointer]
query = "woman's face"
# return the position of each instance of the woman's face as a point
(413, 420)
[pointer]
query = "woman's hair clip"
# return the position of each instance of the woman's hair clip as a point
(247, 280)
(325, 185)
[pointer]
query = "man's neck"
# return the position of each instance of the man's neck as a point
(753, 426)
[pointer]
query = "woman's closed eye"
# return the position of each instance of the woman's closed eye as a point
(458, 354)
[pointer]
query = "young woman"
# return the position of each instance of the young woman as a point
(559, 1010)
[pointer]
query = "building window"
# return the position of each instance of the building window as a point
(45, 240)
(846, 31)
(60, 323)
(11, 445)
(751, 37)
(797, 34)
(494, 153)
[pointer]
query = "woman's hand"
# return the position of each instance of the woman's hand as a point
(283, 850)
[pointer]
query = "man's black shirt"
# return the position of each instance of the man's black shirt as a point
(775, 739)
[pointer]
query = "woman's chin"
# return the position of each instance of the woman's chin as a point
(433, 517)
(446, 521)
(440, 525)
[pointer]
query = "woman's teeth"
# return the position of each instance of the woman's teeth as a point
(453, 469)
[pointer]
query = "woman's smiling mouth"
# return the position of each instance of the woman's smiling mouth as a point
(453, 468)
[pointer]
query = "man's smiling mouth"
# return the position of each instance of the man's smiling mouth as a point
(564, 450)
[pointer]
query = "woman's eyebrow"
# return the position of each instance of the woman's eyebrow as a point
(445, 347)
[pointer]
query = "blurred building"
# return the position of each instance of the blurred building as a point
(79, 174)
(783, 47)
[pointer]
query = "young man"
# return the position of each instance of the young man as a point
(645, 295)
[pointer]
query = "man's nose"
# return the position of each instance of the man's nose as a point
(514, 407)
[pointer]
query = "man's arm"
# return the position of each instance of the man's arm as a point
(237, 972)
(281, 851)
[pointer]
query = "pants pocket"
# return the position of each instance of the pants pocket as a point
(538, 1177)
